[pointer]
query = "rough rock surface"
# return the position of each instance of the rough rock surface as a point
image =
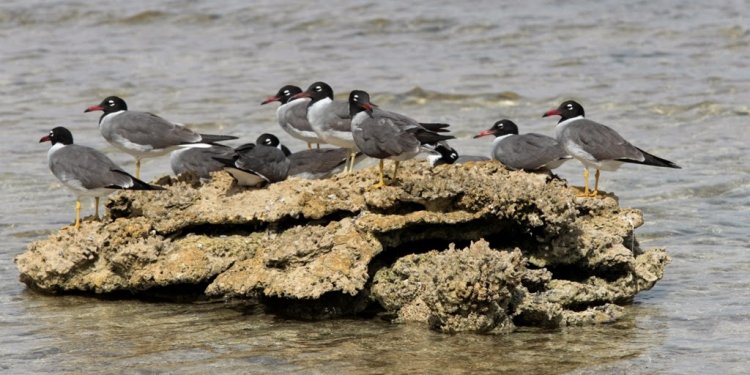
(535, 254)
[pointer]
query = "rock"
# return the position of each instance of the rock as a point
(533, 253)
(460, 290)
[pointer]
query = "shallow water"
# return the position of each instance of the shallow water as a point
(672, 77)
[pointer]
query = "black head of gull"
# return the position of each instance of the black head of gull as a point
(500, 128)
(110, 104)
(567, 110)
(360, 101)
(85, 171)
(271, 140)
(58, 135)
(284, 95)
(316, 91)
(445, 155)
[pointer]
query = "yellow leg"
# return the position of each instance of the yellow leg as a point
(596, 184)
(96, 208)
(353, 157)
(382, 179)
(78, 214)
(138, 168)
(585, 184)
(395, 171)
(309, 146)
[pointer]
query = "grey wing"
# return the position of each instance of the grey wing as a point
(200, 160)
(296, 116)
(87, 167)
(317, 161)
(528, 151)
(148, 129)
(397, 119)
(338, 118)
(270, 163)
(601, 141)
(381, 137)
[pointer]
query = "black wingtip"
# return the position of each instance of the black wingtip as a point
(212, 138)
(653, 160)
(137, 184)
(435, 127)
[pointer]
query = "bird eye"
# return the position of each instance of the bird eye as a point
(454, 155)
(356, 97)
(286, 92)
(111, 103)
(318, 88)
(570, 106)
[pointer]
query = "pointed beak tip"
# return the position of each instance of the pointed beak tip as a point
(551, 112)
(44, 139)
(93, 108)
(269, 99)
(483, 133)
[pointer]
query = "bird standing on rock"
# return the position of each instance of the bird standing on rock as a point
(292, 114)
(597, 146)
(85, 171)
(330, 119)
(528, 152)
(145, 135)
(387, 135)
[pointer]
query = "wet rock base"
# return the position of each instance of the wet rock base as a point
(458, 248)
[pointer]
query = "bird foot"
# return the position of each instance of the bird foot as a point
(378, 185)
(583, 193)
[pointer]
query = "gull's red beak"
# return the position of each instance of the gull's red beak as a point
(44, 139)
(270, 99)
(552, 112)
(94, 108)
(484, 133)
(368, 107)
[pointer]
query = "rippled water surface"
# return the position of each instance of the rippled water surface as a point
(673, 77)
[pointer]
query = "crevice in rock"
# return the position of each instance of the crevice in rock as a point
(583, 306)
(580, 273)
(329, 305)
(402, 208)
(252, 226)
(422, 238)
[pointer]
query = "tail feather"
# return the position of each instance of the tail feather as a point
(435, 127)
(211, 138)
(137, 184)
(653, 160)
